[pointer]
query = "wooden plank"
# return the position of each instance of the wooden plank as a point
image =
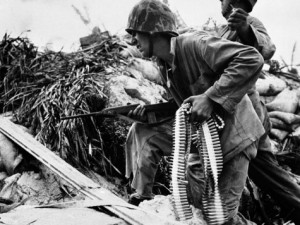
(131, 214)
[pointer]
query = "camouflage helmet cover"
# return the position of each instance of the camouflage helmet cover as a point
(152, 16)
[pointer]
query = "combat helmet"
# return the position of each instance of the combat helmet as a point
(251, 4)
(152, 16)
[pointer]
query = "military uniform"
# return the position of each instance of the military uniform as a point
(264, 169)
(224, 71)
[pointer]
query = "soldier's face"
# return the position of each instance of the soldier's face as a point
(143, 43)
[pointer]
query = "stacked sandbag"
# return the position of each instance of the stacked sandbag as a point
(270, 85)
(281, 100)
(283, 123)
(285, 101)
(282, 111)
(295, 135)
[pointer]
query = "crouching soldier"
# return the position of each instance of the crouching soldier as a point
(214, 76)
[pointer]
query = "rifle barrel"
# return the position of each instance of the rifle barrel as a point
(88, 115)
(124, 110)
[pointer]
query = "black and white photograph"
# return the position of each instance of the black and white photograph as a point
(149, 112)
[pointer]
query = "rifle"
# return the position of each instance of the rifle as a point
(167, 109)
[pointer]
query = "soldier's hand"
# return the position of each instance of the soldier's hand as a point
(138, 113)
(202, 107)
(237, 20)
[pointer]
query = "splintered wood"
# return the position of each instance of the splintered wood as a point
(116, 205)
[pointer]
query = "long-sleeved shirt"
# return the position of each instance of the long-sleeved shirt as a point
(262, 42)
(265, 46)
(224, 71)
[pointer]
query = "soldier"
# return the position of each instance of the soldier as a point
(213, 75)
(264, 169)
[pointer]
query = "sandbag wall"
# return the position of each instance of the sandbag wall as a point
(282, 99)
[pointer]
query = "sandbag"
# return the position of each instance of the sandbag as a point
(131, 51)
(120, 91)
(279, 124)
(270, 85)
(288, 118)
(278, 134)
(295, 136)
(267, 99)
(10, 157)
(145, 68)
(285, 101)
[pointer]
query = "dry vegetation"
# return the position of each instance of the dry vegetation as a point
(41, 87)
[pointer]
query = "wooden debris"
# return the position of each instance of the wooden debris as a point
(96, 37)
(116, 205)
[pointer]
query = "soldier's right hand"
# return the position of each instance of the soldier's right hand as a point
(238, 20)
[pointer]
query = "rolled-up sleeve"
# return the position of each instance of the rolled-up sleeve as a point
(238, 66)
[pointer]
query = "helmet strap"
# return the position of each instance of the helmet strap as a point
(150, 45)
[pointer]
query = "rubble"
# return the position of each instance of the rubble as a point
(162, 205)
(50, 216)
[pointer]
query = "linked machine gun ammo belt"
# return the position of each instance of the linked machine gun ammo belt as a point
(207, 141)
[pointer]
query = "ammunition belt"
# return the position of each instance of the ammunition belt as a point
(181, 147)
(207, 141)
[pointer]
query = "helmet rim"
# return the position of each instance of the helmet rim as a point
(151, 16)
